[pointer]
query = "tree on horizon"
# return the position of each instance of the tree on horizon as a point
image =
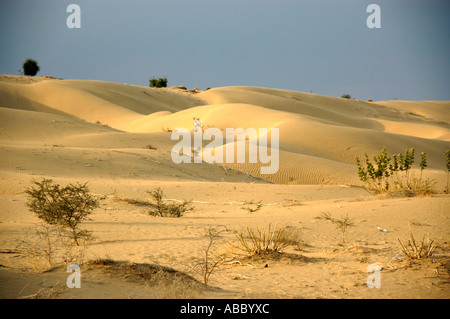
(30, 67)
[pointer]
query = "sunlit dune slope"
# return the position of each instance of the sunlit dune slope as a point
(319, 136)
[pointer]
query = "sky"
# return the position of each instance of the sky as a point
(318, 46)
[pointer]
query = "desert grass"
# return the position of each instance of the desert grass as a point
(423, 250)
(261, 241)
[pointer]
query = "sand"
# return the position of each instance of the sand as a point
(116, 137)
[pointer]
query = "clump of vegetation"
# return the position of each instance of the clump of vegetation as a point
(346, 96)
(30, 67)
(342, 223)
(160, 208)
(447, 155)
(64, 206)
(393, 173)
(256, 241)
(412, 251)
(158, 82)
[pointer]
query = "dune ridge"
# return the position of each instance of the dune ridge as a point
(314, 129)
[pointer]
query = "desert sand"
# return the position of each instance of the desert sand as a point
(116, 137)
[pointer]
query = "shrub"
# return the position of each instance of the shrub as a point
(30, 67)
(64, 206)
(412, 251)
(209, 262)
(261, 241)
(159, 208)
(158, 83)
(346, 96)
(393, 173)
(50, 245)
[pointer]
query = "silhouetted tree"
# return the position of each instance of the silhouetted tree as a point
(30, 67)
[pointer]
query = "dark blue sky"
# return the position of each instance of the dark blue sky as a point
(323, 46)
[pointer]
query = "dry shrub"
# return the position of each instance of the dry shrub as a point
(210, 259)
(159, 208)
(424, 250)
(47, 246)
(256, 241)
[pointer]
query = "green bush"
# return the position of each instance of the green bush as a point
(158, 83)
(30, 67)
(393, 173)
(159, 208)
(62, 206)
(346, 96)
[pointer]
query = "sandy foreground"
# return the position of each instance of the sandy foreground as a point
(116, 137)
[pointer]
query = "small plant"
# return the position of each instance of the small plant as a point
(258, 241)
(447, 155)
(150, 147)
(64, 206)
(158, 83)
(159, 208)
(210, 261)
(342, 224)
(30, 67)
(412, 251)
(346, 96)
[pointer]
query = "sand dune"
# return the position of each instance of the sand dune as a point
(313, 129)
(117, 137)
